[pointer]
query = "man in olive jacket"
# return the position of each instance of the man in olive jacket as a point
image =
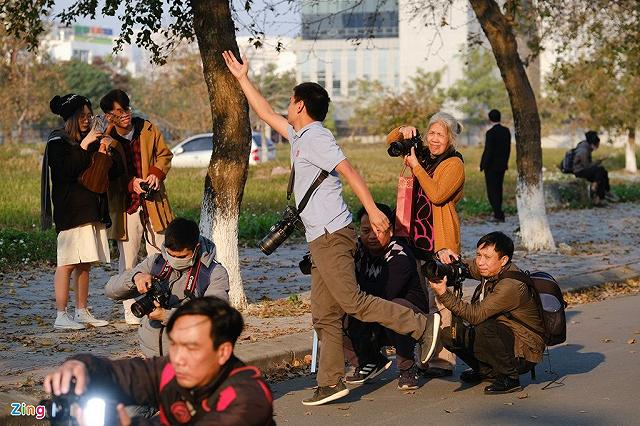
(502, 346)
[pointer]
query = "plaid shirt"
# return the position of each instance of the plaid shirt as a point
(134, 163)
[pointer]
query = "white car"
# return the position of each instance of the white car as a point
(195, 151)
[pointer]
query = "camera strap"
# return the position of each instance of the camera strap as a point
(316, 183)
(192, 275)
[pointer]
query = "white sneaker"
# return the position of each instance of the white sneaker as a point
(85, 317)
(128, 315)
(64, 321)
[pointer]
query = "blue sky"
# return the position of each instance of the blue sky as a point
(284, 22)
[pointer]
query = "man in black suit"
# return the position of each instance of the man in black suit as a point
(495, 159)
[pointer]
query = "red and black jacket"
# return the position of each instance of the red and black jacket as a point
(238, 396)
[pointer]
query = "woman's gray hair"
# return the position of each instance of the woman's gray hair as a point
(454, 127)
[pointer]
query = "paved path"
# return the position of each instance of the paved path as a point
(600, 376)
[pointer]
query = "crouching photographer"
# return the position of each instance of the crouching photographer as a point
(185, 269)
(502, 335)
(200, 382)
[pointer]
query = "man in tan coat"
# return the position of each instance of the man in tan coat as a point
(501, 347)
(138, 203)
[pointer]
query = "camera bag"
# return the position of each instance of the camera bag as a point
(551, 304)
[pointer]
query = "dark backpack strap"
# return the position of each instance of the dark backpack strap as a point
(46, 214)
(525, 278)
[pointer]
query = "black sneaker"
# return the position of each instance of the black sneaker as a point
(428, 341)
(436, 372)
(408, 379)
(503, 385)
(367, 372)
(474, 377)
(324, 394)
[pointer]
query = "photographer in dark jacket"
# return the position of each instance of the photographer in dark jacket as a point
(386, 268)
(502, 347)
(187, 264)
(494, 162)
(201, 382)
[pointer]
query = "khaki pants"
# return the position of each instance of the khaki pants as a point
(129, 248)
(442, 358)
(334, 292)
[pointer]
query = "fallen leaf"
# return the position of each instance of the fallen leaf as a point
(508, 403)
(307, 413)
(344, 408)
(523, 395)
(582, 411)
(447, 411)
(607, 340)
(366, 398)
(631, 341)
(347, 415)
(534, 417)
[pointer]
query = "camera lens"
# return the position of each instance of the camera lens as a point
(276, 236)
(435, 270)
(143, 306)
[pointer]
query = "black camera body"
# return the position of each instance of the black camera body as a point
(149, 193)
(403, 147)
(281, 230)
(159, 292)
(60, 410)
(455, 272)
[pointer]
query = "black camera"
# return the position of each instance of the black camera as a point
(403, 147)
(62, 409)
(305, 264)
(281, 230)
(159, 292)
(149, 193)
(455, 272)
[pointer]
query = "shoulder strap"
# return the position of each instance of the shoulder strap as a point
(316, 183)
(525, 278)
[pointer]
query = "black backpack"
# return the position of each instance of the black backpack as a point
(566, 165)
(550, 301)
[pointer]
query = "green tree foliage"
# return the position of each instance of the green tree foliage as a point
(480, 89)
(378, 109)
(87, 80)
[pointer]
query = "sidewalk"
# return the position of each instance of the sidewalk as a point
(596, 245)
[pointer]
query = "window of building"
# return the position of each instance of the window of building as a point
(336, 70)
(80, 55)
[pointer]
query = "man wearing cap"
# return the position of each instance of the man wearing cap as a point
(584, 167)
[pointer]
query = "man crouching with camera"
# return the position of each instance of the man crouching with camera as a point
(496, 343)
(185, 269)
(200, 382)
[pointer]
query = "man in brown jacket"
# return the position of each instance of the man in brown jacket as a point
(501, 348)
(138, 203)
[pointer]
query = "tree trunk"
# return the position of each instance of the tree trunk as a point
(534, 227)
(227, 173)
(630, 152)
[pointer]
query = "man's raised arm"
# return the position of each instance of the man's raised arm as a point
(257, 102)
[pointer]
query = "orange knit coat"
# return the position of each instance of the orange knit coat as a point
(444, 190)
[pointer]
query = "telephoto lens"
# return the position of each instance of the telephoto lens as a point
(143, 306)
(276, 236)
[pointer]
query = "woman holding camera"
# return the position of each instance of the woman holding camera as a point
(80, 215)
(439, 171)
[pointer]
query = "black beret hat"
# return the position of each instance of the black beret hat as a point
(67, 105)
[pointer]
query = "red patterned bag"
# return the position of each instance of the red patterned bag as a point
(404, 204)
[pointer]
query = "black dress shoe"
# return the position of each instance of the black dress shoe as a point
(472, 376)
(503, 385)
(436, 372)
